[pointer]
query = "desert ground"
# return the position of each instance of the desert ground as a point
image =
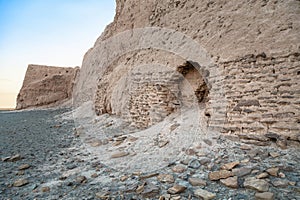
(43, 157)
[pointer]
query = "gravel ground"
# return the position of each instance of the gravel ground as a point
(42, 158)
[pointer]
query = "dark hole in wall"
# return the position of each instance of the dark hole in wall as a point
(196, 80)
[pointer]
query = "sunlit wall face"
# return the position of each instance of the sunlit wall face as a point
(48, 32)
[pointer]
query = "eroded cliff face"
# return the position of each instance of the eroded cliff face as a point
(45, 86)
(253, 45)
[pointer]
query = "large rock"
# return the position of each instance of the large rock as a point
(46, 86)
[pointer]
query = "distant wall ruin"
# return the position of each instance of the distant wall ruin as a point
(46, 86)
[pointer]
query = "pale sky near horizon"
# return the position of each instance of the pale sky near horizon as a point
(46, 32)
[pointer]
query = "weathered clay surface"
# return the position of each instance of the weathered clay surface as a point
(255, 49)
(46, 85)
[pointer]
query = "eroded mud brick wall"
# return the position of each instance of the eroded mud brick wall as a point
(264, 94)
(254, 46)
(45, 85)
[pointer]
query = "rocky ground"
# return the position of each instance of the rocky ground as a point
(43, 158)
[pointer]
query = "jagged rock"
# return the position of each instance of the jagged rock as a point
(230, 182)
(102, 195)
(204, 194)
(280, 183)
(178, 169)
(166, 178)
(273, 171)
(262, 175)
(222, 174)
(242, 171)
(264, 196)
(229, 166)
(176, 189)
(20, 182)
(197, 181)
(194, 163)
(150, 175)
(81, 179)
(45, 189)
(204, 160)
(13, 158)
(119, 154)
(150, 190)
(24, 166)
(257, 184)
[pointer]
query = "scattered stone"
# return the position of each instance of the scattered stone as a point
(20, 172)
(166, 178)
(185, 161)
(14, 158)
(262, 175)
(45, 189)
(245, 160)
(165, 197)
(201, 153)
(292, 183)
(20, 182)
(190, 152)
(273, 171)
(176, 197)
(95, 175)
(178, 169)
(204, 194)
(148, 176)
(243, 171)
(280, 183)
(204, 160)
(102, 195)
(162, 143)
(274, 154)
(150, 190)
(130, 138)
(282, 143)
(257, 184)
(176, 189)
(230, 165)
(230, 182)
(207, 141)
(137, 173)
(140, 189)
(123, 178)
(117, 143)
(119, 154)
(216, 175)
(34, 186)
(264, 196)
(96, 143)
(255, 142)
(81, 179)
(131, 187)
(71, 166)
(194, 163)
(174, 126)
(24, 166)
(197, 181)
(281, 175)
(245, 147)
(5, 159)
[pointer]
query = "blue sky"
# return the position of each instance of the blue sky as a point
(48, 32)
